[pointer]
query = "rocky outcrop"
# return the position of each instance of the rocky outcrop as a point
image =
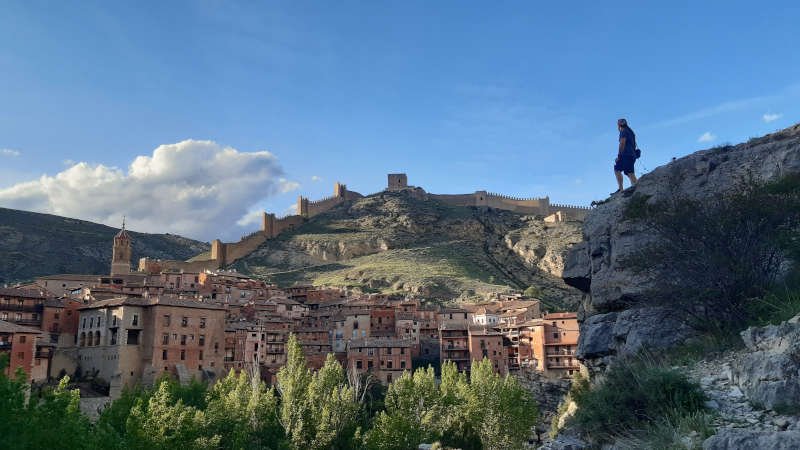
(769, 374)
(753, 440)
(618, 316)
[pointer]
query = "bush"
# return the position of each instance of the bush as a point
(713, 255)
(633, 396)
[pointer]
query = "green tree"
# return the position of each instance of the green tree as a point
(293, 381)
(12, 404)
(412, 413)
(332, 405)
(55, 420)
(163, 423)
(243, 412)
(500, 410)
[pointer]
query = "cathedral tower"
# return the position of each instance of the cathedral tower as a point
(121, 254)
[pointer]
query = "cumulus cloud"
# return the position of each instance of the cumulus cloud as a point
(316, 178)
(10, 152)
(770, 117)
(706, 137)
(195, 188)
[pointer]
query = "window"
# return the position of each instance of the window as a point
(358, 364)
(83, 325)
(166, 320)
(20, 355)
(4, 316)
(184, 321)
(22, 339)
(183, 339)
(202, 340)
(355, 325)
(388, 378)
(135, 320)
(389, 350)
(165, 339)
(388, 364)
(91, 322)
(402, 350)
(201, 355)
(183, 355)
(555, 335)
(114, 320)
(402, 364)
(56, 316)
(369, 364)
(164, 354)
(370, 351)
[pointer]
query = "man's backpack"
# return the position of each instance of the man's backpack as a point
(637, 153)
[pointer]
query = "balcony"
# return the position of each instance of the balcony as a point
(18, 307)
(27, 322)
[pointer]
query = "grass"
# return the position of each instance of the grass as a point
(639, 399)
(774, 308)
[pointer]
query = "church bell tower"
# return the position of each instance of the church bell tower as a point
(121, 253)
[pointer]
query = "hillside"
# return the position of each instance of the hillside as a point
(393, 242)
(34, 244)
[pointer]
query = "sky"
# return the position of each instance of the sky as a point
(191, 117)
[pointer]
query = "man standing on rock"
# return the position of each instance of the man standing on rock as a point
(626, 156)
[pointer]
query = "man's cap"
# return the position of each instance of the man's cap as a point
(622, 122)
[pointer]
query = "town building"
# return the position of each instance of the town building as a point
(129, 340)
(19, 344)
(385, 358)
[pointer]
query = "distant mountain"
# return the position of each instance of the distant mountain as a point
(34, 244)
(395, 242)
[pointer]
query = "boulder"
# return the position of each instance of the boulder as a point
(619, 317)
(769, 374)
(732, 439)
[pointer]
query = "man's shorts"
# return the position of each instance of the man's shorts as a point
(625, 164)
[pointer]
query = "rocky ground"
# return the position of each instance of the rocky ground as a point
(732, 408)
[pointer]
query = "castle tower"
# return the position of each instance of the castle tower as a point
(302, 206)
(397, 181)
(339, 190)
(121, 253)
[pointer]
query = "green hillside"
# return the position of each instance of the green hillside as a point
(396, 242)
(34, 244)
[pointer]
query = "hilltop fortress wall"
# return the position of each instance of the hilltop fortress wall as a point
(225, 253)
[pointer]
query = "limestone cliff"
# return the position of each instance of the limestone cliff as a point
(399, 242)
(617, 316)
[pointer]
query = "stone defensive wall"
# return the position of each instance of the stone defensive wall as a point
(223, 254)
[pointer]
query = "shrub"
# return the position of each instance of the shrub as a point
(714, 254)
(633, 396)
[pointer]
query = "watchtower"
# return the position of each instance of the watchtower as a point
(302, 206)
(397, 181)
(339, 190)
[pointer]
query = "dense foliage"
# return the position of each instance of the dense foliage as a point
(634, 397)
(323, 409)
(714, 255)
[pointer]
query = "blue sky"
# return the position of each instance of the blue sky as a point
(512, 97)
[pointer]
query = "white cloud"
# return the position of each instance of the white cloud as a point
(769, 117)
(10, 152)
(706, 137)
(195, 188)
(291, 209)
(250, 218)
(316, 178)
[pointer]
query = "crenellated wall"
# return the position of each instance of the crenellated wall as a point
(223, 254)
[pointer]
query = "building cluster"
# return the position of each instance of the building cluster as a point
(133, 327)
